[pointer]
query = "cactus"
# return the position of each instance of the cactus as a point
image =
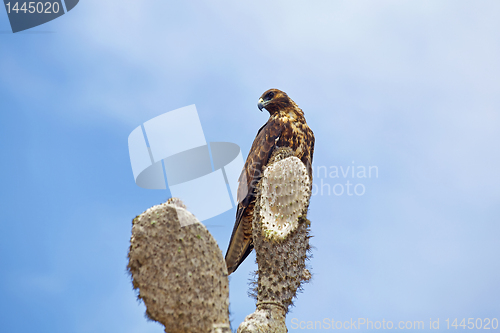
(179, 270)
(280, 232)
(181, 275)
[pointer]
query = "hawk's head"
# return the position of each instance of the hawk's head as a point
(275, 100)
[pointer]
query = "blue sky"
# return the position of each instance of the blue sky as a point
(411, 87)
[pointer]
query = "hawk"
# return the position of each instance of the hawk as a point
(286, 127)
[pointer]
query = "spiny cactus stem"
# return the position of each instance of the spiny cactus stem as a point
(179, 270)
(262, 305)
(280, 233)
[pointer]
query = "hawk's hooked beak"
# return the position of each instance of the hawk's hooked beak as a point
(261, 104)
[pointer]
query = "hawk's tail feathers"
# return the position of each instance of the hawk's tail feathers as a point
(240, 245)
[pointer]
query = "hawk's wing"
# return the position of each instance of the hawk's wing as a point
(240, 244)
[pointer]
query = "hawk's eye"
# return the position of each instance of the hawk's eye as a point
(269, 95)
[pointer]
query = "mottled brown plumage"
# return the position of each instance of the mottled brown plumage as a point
(286, 127)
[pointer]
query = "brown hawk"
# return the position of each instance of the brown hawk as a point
(286, 127)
